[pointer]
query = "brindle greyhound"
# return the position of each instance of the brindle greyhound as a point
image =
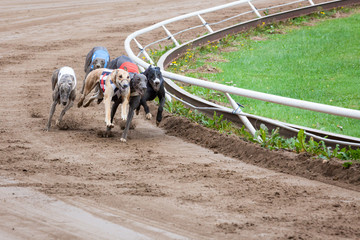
(98, 57)
(63, 85)
(155, 88)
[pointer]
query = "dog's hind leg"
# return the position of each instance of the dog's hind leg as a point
(52, 110)
(90, 100)
(97, 95)
(54, 79)
(83, 86)
(82, 98)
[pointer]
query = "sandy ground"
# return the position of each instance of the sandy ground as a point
(179, 181)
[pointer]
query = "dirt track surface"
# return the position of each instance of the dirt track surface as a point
(178, 181)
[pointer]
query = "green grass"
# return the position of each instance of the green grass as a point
(328, 75)
(318, 63)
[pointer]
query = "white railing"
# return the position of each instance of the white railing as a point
(350, 113)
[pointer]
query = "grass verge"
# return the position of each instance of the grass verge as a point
(299, 68)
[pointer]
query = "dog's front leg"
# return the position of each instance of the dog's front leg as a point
(146, 107)
(127, 126)
(160, 110)
(124, 106)
(67, 107)
(113, 111)
(109, 92)
(134, 103)
(52, 110)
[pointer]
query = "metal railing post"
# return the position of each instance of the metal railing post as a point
(143, 51)
(243, 118)
(254, 9)
(311, 2)
(170, 36)
(205, 24)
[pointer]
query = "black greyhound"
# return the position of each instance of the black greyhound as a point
(155, 88)
(137, 90)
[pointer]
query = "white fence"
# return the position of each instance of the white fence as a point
(350, 113)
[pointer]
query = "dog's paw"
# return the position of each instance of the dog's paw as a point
(57, 123)
(105, 134)
(157, 123)
(123, 118)
(123, 140)
(148, 116)
(86, 105)
(79, 104)
(137, 112)
(99, 100)
(109, 125)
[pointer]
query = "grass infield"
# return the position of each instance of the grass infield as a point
(312, 59)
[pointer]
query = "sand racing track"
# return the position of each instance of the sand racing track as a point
(178, 181)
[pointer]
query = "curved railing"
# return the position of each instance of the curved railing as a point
(251, 17)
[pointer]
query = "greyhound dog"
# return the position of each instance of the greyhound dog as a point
(98, 57)
(63, 85)
(113, 85)
(155, 88)
(137, 89)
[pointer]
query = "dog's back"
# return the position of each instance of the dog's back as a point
(67, 74)
(125, 63)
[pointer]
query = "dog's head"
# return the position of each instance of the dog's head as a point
(66, 85)
(98, 63)
(154, 76)
(138, 83)
(121, 78)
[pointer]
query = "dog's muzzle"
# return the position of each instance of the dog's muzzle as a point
(142, 90)
(156, 84)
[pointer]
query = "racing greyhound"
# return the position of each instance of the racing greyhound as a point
(155, 88)
(137, 90)
(63, 85)
(112, 84)
(98, 57)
